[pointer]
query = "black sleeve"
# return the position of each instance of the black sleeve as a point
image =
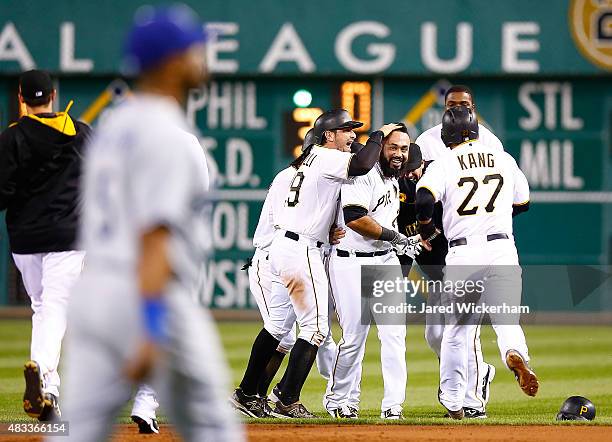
(424, 204)
(364, 160)
(8, 167)
(517, 210)
(352, 213)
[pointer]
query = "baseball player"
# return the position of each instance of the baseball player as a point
(480, 189)
(261, 282)
(370, 206)
(431, 262)
(40, 165)
(430, 142)
(144, 228)
(296, 256)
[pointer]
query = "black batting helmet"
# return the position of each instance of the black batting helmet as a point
(309, 140)
(459, 124)
(576, 408)
(332, 120)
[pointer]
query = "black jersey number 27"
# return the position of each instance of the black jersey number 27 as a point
(472, 181)
(294, 190)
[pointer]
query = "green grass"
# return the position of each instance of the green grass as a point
(570, 360)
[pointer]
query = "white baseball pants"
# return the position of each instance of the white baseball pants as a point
(48, 279)
(299, 266)
(496, 263)
(260, 283)
(343, 388)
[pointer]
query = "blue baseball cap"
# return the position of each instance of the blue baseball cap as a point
(159, 32)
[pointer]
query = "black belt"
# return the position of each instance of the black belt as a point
(345, 254)
(294, 236)
(463, 241)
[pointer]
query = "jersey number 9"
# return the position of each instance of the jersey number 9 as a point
(294, 190)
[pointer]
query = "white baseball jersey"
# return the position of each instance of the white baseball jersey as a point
(477, 186)
(142, 170)
(275, 199)
(379, 195)
(311, 200)
(432, 146)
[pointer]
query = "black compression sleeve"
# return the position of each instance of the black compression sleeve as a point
(352, 213)
(364, 160)
(424, 204)
(517, 210)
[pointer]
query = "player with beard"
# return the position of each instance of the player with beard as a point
(370, 206)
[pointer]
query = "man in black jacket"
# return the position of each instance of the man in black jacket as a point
(40, 165)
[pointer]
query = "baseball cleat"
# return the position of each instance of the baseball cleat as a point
(33, 397)
(51, 410)
(472, 413)
(146, 426)
(486, 382)
(297, 410)
(527, 379)
(354, 410)
(457, 415)
(394, 413)
(343, 413)
(249, 405)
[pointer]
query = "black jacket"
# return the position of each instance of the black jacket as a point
(433, 261)
(40, 167)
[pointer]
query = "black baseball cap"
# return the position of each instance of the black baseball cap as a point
(414, 157)
(35, 84)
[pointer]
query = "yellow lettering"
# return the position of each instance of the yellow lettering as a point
(583, 409)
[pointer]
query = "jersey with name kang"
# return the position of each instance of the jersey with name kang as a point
(377, 194)
(311, 200)
(477, 187)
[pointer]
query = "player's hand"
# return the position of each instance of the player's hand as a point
(336, 234)
(427, 242)
(140, 367)
(388, 128)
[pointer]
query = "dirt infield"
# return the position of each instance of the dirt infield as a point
(385, 433)
(379, 433)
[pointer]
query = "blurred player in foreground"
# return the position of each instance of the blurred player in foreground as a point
(480, 190)
(145, 232)
(40, 165)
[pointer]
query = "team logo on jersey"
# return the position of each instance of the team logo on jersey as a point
(384, 201)
(591, 25)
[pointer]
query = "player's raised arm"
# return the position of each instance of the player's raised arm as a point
(364, 160)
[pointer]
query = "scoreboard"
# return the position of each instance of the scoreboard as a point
(252, 127)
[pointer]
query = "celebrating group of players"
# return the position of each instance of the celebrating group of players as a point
(342, 205)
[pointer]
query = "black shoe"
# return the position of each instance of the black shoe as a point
(458, 415)
(343, 413)
(472, 413)
(354, 411)
(293, 411)
(251, 406)
(394, 413)
(33, 397)
(51, 410)
(145, 427)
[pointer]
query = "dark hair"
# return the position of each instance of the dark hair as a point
(459, 88)
(35, 102)
(299, 160)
